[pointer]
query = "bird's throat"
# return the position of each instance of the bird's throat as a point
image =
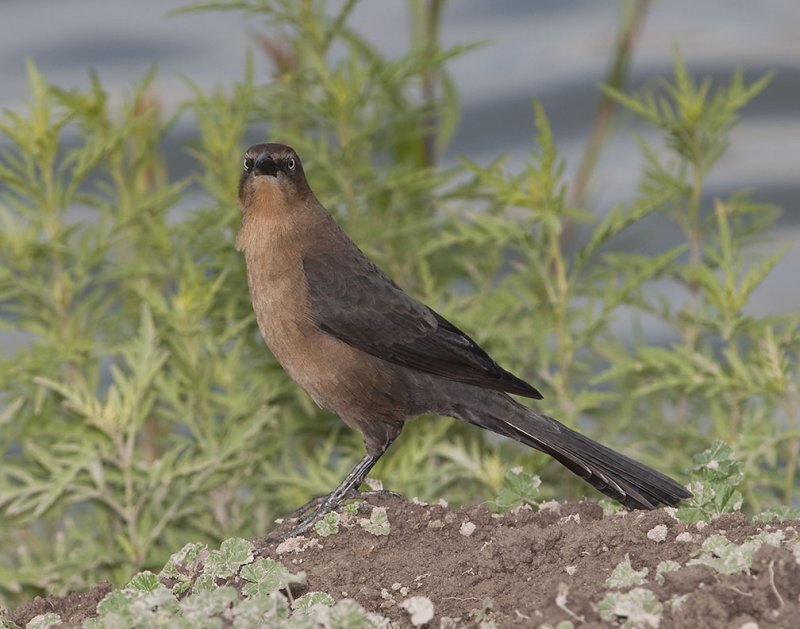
(265, 215)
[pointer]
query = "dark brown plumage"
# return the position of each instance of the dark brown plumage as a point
(375, 356)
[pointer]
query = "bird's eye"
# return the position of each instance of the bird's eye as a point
(248, 164)
(290, 163)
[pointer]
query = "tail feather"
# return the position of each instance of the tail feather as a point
(634, 484)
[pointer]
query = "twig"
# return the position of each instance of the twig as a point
(777, 594)
(561, 602)
(616, 77)
(430, 16)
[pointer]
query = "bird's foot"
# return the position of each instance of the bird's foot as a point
(326, 504)
(374, 493)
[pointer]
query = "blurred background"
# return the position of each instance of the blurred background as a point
(139, 408)
(556, 52)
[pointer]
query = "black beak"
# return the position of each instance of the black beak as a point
(265, 165)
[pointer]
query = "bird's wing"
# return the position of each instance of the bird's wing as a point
(365, 309)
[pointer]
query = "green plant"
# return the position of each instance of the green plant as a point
(113, 439)
(729, 374)
(716, 476)
(141, 409)
(519, 488)
(145, 601)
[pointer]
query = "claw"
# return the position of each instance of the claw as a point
(326, 504)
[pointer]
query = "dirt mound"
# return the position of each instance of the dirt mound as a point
(566, 562)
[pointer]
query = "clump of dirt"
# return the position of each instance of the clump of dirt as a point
(527, 569)
(73, 608)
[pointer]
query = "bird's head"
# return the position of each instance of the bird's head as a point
(272, 174)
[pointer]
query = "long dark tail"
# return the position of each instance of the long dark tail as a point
(635, 485)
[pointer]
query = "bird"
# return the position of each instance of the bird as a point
(366, 350)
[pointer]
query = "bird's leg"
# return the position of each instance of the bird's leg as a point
(353, 494)
(352, 481)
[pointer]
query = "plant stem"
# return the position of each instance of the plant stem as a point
(616, 77)
(430, 16)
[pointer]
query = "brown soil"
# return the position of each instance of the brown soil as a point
(73, 608)
(525, 569)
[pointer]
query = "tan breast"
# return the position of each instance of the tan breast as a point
(280, 301)
(356, 386)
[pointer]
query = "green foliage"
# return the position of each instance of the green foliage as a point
(267, 575)
(730, 375)
(183, 566)
(624, 576)
(716, 476)
(638, 607)
(146, 602)
(44, 621)
(519, 488)
(781, 513)
(665, 566)
(309, 599)
(378, 522)
(113, 438)
(327, 526)
(729, 557)
(232, 555)
(697, 122)
(141, 410)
